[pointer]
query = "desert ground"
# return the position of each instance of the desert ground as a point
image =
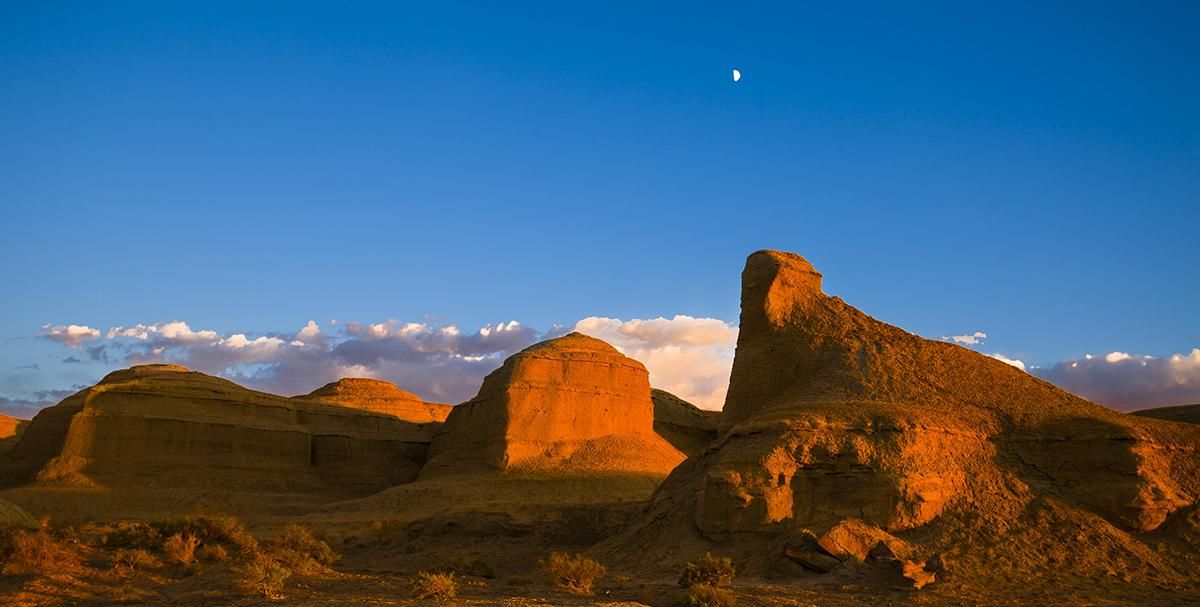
(854, 463)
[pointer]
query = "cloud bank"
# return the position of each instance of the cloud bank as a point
(1128, 382)
(690, 357)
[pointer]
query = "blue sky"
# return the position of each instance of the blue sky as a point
(1027, 171)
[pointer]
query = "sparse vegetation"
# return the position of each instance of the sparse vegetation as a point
(576, 572)
(180, 549)
(708, 570)
(436, 586)
(262, 575)
(297, 548)
(705, 595)
(38, 553)
(465, 566)
(128, 560)
(210, 529)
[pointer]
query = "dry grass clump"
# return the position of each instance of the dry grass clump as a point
(180, 549)
(210, 529)
(129, 560)
(261, 574)
(709, 570)
(704, 595)
(38, 553)
(575, 572)
(297, 548)
(436, 586)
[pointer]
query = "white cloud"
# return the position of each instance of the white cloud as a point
(689, 357)
(310, 331)
(1125, 381)
(971, 339)
(70, 335)
(1009, 361)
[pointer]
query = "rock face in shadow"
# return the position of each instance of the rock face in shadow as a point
(378, 396)
(684, 425)
(1183, 413)
(571, 405)
(832, 415)
(163, 426)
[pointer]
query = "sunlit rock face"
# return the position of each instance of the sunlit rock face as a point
(568, 405)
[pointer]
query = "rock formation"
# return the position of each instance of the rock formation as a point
(832, 415)
(568, 405)
(1182, 413)
(163, 426)
(11, 429)
(380, 397)
(684, 425)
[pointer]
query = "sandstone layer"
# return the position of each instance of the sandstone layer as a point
(165, 427)
(832, 415)
(379, 397)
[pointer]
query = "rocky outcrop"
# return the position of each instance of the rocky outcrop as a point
(11, 429)
(571, 405)
(684, 425)
(832, 415)
(165, 426)
(1184, 413)
(379, 397)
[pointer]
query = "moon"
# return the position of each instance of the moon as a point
(737, 75)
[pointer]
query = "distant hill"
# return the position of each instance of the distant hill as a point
(1181, 413)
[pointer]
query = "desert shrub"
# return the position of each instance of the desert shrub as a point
(38, 553)
(262, 575)
(180, 549)
(705, 595)
(213, 553)
(575, 572)
(708, 570)
(209, 529)
(132, 559)
(436, 586)
(129, 534)
(466, 567)
(299, 549)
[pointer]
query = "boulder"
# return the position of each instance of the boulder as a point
(854, 539)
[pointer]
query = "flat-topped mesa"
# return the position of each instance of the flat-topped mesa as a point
(380, 397)
(568, 404)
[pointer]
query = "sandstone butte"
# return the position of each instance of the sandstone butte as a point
(151, 432)
(835, 420)
(1182, 413)
(565, 422)
(571, 405)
